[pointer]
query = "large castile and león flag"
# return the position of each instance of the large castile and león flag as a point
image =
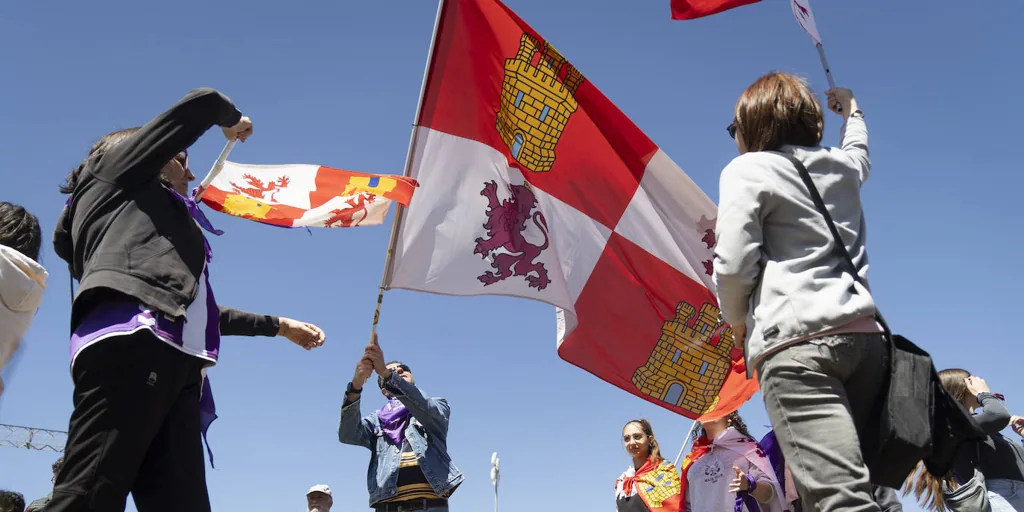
(534, 185)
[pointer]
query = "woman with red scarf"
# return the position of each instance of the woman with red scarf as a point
(727, 471)
(651, 483)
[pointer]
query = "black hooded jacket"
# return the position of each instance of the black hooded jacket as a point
(124, 233)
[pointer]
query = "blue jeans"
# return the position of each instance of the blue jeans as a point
(1006, 495)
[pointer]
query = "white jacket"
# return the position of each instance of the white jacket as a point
(22, 282)
(775, 271)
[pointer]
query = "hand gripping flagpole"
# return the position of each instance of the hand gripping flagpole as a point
(693, 430)
(218, 165)
(399, 209)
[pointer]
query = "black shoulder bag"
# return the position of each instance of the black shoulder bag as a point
(918, 420)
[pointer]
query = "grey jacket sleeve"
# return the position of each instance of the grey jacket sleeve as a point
(995, 416)
(743, 195)
(855, 145)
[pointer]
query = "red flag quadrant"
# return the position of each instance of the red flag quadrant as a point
(306, 195)
(691, 9)
(534, 185)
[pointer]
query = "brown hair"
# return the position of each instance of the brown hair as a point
(927, 488)
(98, 149)
(645, 426)
(776, 110)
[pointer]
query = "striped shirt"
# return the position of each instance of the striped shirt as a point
(412, 484)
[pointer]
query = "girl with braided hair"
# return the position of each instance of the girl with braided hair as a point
(728, 471)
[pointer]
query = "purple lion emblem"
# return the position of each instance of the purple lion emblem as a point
(506, 221)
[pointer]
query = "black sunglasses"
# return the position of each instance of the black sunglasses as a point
(182, 159)
(731, 129)
(402, 367)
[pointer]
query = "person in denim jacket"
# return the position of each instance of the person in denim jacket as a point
(410, 469)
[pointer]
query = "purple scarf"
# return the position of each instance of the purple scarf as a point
(394, 417)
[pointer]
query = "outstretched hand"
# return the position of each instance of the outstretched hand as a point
(740, 483)
(303, 334)
(1017, 424)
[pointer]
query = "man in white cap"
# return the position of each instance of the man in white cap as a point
(319, 499)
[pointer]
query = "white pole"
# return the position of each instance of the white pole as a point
(693, 430)
(495, 477)
(824, 64)
(399, 209)
(215, 170)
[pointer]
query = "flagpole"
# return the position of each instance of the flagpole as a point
(824, 64)
(218, 165)
(399, 209)
(693, 430)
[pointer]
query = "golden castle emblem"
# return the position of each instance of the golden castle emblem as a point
(685, 369)
(536, 102)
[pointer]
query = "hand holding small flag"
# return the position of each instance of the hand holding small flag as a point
(841, 101)
(240, 131)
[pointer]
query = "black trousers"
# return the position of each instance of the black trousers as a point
(135, 428)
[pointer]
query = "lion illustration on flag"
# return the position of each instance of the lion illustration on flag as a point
(506, 222)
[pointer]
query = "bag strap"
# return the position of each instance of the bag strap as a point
(838, 247)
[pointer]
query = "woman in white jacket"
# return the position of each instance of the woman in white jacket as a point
(806, 324)
(22, 279)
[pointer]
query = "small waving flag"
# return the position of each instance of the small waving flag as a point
(306, 195)
(691, 9)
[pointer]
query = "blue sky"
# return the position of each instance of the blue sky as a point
(336, 83)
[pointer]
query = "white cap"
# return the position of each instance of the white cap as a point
(320, 488)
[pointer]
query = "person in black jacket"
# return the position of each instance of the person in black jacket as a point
(998, 459)
(145, 324)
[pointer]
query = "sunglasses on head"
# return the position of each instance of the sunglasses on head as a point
(731, 129)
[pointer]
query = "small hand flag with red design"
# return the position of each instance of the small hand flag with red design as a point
(306, 195)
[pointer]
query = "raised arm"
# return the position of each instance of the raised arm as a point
(854, 134)
(142, 156)
(431, 412)
(353, 429)
(995, 416)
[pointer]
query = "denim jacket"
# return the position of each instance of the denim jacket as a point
(427, 433)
